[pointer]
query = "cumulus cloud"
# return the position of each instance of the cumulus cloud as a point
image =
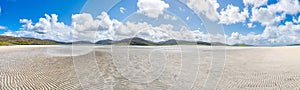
(296, 20)
(122, 9)
(271, 16)
(255, 3)
(86, 28)
(159, 33)
(286, 6)
(143, 30)
(266, 16)
(288, 33)
(206, 7)
(9, 33)
(274, 13)
(2, 27)
(232, 15)
(45, 28)
(152, 8)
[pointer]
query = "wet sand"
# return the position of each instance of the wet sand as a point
(32, 67)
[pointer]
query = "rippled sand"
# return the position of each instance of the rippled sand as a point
(32, 67)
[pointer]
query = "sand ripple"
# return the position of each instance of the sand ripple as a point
(245, 69)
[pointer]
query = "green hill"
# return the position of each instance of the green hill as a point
(9, 40)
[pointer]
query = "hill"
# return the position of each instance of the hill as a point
(143, 42)
(294, 45)
(135, 41)
(105, 42)
(241, 44)
(9, 40)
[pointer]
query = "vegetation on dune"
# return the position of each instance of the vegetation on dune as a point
(5, 44)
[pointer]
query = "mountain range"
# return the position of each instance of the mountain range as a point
(9, 40)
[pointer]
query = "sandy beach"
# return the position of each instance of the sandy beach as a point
(150, 68)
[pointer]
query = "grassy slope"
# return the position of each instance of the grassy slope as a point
(9, 40)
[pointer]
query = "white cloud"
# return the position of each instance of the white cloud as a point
(265, 16)
(286, 6)
(187, 18)
(296, 20)
(3, 28)
(85, 22)
(154, 33)
(152, 8)
(271, 17)
(9, 33)
(86, 28)
(27, 24)
(235, 36)
(274, 13)
(45, 28)
(272, 35)
(122, 9)
(250, 25)
(206, 7)
(232, 15)
(169, 17)
(143, 30)
(255, 3)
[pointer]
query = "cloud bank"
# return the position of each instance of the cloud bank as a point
(86, 28)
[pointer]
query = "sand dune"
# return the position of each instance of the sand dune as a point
(154, 68)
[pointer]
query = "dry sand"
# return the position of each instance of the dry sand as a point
(32, 67)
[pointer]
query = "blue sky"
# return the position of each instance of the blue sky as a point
(14, 10)
(234, 15)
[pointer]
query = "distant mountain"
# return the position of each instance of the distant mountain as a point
(241, 44)
(203, 43)
(58, 42)
(294, 45)
(218, 44)
(177, 42)
(82, 42)
(168, 42)
(9, 40)
(143, 42)
(105, 42)
(135, 41)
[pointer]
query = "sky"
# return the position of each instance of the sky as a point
(255, 22)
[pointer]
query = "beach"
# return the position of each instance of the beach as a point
(149, 67)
